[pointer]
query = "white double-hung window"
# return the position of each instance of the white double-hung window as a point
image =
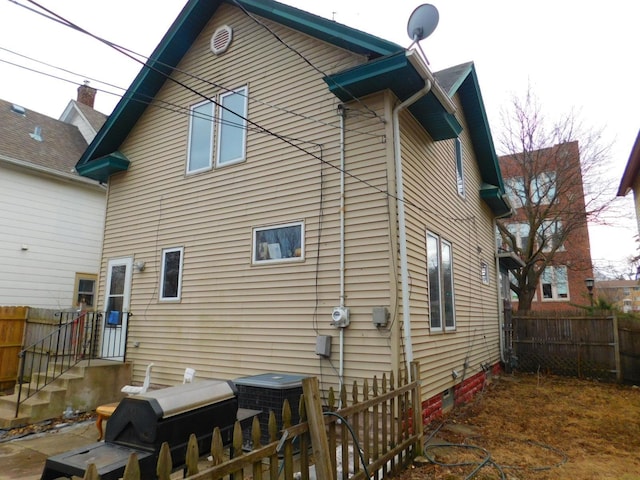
(440, 277)
(224, 120)
(555, 283)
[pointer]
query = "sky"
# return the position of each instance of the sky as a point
(579, 56)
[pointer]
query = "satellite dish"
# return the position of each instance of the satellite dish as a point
(422, 22)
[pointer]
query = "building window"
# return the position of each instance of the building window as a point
(459, 167)
(278, 243)
(550, 235)
(484, 273)
(440, 275)
(543, 188)
(520, 232)
(514, 187)
(233, 127)
(555, 284)
(171, 275)
(231, 131)
(85, 290)
(200, 151)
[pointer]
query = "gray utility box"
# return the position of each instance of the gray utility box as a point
(267, 392)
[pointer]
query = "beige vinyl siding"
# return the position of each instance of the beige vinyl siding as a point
(465, 222)
(235, 318)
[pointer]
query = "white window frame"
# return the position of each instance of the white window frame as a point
(549, 231)
(438, 306)
(262, 251)
(484, 273)
(516, 191)
(195, 116)
(229, 121)
(520, 230)
(178, 296)
(552, 279)
(543, 188)
(459, 167)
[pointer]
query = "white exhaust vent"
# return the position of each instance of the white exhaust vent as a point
(221, 39)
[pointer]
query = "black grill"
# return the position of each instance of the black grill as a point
(140, 424)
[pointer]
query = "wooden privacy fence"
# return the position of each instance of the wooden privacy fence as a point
(12, 326)
(376, 435)
(577, 343)
(629, 338)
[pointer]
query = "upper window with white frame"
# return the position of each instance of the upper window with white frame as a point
(555, 283)
(459, 167)
(230, 125)
(171, 275)
(232, 130)
(550, 235)
(440, 276)
(278, 243)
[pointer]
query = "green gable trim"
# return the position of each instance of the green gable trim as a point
(321, 28)
(396, 73)
(478, 127)
(494, 197)
(181, 35)
(102, 168)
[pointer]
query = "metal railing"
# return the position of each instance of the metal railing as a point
(73, 340)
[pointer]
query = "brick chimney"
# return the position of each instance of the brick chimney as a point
(86, 94)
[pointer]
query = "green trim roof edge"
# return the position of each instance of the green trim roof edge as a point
(102, 168)
(179, 38)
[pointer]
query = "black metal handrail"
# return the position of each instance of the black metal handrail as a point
(72, 341)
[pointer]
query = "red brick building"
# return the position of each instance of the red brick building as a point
(549, 228)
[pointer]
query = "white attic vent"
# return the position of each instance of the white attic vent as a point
(221, 39)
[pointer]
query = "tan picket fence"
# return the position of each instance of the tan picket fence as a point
(374, 433)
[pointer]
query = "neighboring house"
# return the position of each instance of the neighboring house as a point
(622, 294)
(549, 228)
(273, 206)
(52, 218)
(631, 178)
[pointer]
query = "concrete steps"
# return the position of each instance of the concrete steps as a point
(83, 388)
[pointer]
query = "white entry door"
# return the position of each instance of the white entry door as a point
(117, 301)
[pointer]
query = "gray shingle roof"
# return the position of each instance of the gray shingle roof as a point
(61, 146)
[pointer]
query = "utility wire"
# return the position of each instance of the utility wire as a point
(258, 127)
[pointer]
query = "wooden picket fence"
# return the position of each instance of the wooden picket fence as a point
(377, 435)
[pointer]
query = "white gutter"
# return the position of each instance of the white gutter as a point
(421, 67)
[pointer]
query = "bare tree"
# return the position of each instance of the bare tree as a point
(554, 177)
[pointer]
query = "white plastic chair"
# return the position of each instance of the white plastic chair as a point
(137, 390)
(189, 373)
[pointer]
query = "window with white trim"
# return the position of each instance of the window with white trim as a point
(459, 167)
(278, 243)
(200, 151)
(440, 276)
(550, 235)
(232, 130)
(555, 283)
(520, 232)
(228, 127)
(543, 188)
(171, 275)
(484, 273)
(515, 190)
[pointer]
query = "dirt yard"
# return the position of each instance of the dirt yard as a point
(539, 427)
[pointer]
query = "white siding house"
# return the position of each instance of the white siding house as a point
(52, 219)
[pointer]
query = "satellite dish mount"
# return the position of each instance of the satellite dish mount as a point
(422, 22)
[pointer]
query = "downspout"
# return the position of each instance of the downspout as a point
(342, 112)
(510, 213)
(404, 264)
